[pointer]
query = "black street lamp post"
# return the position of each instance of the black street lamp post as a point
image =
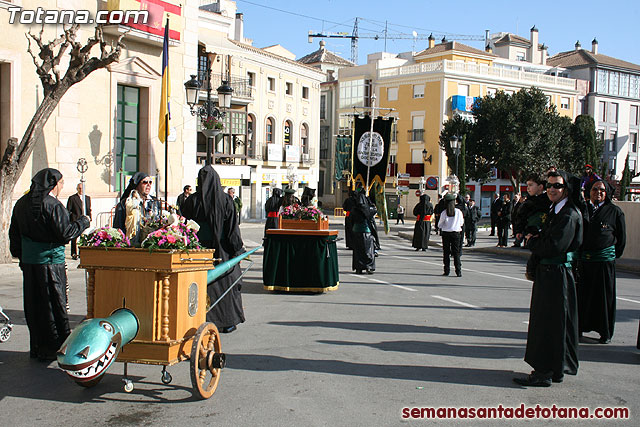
(455, 146)
(208, 111)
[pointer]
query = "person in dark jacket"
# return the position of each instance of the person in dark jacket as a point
(347, 206)
(74, 206)
(39, 230)
(186, 192)
(552, 337)
(150, 205)
(604, 241)
(422, 229)
(362, 215)
(531, 214)
(272, 208)
(214, 211)
(504, 220)
(471, 223)
(516, 203)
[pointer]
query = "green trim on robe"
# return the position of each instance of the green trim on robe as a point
(565, 259)
(602, 255)
(361, 227)
(41, 253)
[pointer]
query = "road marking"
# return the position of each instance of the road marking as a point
(629, 300)
(383, 282)
(251, 243)
(455, 301)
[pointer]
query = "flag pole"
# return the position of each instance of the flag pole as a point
(166, 128)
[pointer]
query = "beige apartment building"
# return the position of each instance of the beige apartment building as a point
(271, 131)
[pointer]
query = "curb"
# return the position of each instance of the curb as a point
(629, 266)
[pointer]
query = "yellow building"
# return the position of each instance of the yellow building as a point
(427, 88)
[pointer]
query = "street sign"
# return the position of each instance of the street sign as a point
(418, 193)
(432, 183)
(402, 188)
(404, 176)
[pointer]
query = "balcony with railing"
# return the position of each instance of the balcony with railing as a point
(276, 153)
(240, 85)
(415, 135)
(472, 68)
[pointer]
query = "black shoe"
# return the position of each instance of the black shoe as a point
(417, 249)
(446, 273)
(603, 340)
(533, 380)
(459, 273)
(228, 329)
(424, 249)
(74, 256)
(557, 378)
(370, 271)
(491, 234)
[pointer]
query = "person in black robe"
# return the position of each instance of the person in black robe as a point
(151, 206)
(373, 226)
(504, 220)
(214, 211)
(74, 206)
(471, 223)
(604, 241)
(272, 207)
(552, 338)
(347, 206)
(495, 207)
(363, 258)
(308, 194)
(437, 211)
(40, 228)
(422, 229)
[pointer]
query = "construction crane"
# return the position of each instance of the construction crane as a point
(354, 36)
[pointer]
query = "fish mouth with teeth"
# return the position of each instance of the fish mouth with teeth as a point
(89, 370)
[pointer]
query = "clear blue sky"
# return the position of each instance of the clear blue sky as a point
(616, 24)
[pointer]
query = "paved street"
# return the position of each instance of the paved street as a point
(403, 337)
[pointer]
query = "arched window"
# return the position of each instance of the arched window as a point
(251, 135)
(304, 138)
(269, 131)
(287, 132)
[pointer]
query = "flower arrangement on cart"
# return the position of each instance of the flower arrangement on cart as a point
(303, 218)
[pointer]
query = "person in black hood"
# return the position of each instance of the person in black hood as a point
(347, 206)
(604, 241)
(552, 337)
(272, 207)
(363, 242)
(308, 194)
(422, 229)
(150, 205)
(213, 210)
(40, 228)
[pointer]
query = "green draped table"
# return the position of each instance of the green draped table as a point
(300, 260)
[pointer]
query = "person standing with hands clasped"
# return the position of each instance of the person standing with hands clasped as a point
(552, 338)
(450, 224)
(74, 206)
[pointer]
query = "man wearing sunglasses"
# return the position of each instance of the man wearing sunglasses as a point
(552, 338)
(604, 241)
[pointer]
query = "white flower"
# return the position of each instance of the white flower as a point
(193, 225)
(172, 219)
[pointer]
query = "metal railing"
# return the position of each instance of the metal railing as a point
(240, 85)
(260, 151)
(415, 134)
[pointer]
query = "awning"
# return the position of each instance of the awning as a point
(507, 188)
(471, 187)
(488, 188)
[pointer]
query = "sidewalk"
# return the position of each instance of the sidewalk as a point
(487, 244)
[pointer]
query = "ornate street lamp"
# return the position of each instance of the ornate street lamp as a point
(454, 143)
(426, 158)
(208, 112)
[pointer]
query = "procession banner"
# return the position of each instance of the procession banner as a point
(371, 150)
(343, 156)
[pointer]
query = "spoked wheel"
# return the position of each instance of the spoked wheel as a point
(206, 360)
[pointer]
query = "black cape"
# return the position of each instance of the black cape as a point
(603, 227)
(552, 338)
(214, 211)
(422, 229)
(41, 218)
(347, 206)
(362, 215)
(273, 205)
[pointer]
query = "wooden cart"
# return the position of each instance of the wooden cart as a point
(167, 291)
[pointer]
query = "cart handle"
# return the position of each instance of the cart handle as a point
(201, 259)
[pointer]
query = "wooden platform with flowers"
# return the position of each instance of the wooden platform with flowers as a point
(299, 260)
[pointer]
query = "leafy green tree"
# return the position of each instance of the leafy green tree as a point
(588, 147)
(625, 182)
(461, 128)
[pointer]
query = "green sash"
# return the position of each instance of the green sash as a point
(41, 253)
(601, 255)
(565, 259)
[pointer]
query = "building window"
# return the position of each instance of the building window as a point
(613, 113)
(352, 93)
(624, 84)
(323, 107)
(633, 142)
(203, 66)
(612, 165)
(251, 136)
(288, 89)
(272, 84)
(612, 142)
(251, 77)
(632, 166)
(602, 111)
(633, 115)
(418, 91)
(324, 142)
(491, 91)
(564, 102)
(287, 132)
(520, 56)
(269, 131)
(603, 82)
(613, 82)
(127, 135)
(634, 87)
(305, 92)
(463, 90)
(304, 138)
(392, 94)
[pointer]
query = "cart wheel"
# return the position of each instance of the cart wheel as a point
(166, 377)
(5, 333)
(206, 360)
(128, 385)
(90, 383)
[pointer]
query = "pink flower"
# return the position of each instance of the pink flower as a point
(171, 239)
